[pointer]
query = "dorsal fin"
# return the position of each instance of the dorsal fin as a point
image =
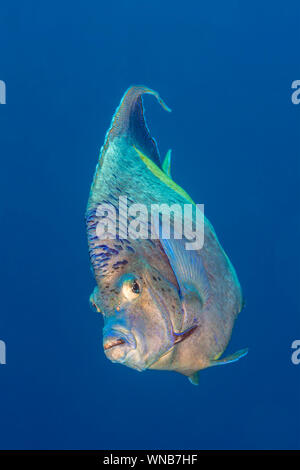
(129, 121)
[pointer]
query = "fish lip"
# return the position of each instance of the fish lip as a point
(119, 337)
(113, 343)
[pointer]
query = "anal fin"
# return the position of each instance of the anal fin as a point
(194, 378)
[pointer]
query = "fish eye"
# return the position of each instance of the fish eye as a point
(135, 287)
(131, 288)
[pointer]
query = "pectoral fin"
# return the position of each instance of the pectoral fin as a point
(229, 359)
(187, 266)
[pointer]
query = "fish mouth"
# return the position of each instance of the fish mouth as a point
(117, 344)
(113, 343)
(122, 346)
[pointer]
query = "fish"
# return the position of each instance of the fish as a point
(165, 307)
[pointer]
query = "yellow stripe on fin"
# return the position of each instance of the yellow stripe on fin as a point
(162, 176)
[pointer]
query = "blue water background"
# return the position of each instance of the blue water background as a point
(225, 69)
